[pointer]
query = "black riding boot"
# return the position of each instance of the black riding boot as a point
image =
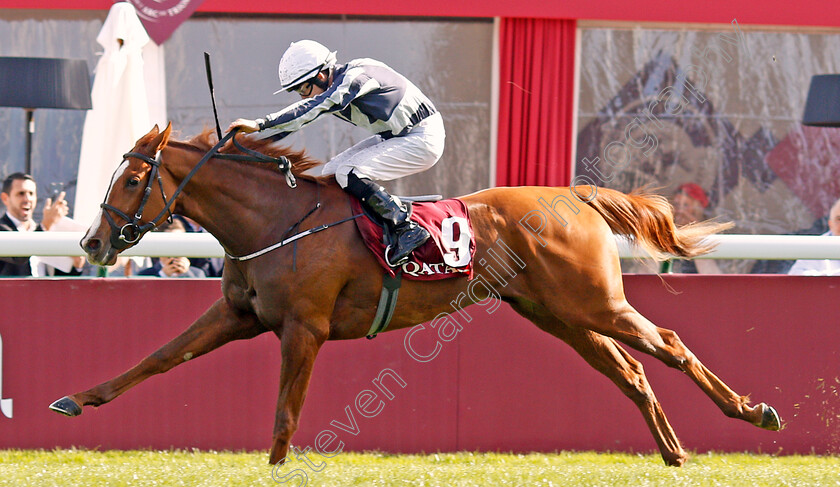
(404, 235)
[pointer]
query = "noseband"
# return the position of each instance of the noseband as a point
(133, 230)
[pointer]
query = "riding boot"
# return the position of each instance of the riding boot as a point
(403, 235)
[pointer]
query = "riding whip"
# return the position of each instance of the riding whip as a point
(212, 93)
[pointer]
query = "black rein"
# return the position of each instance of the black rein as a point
(134, 229)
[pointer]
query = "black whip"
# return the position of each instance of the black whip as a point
(212, 93)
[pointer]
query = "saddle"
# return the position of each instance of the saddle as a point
(448, 253)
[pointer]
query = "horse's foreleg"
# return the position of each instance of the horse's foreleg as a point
(300, 345)
(218, 325)
(637, 331)
(607, 357)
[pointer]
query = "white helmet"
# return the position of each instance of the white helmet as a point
(301, 61)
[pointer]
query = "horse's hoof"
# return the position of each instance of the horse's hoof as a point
(770, 419)
(67, 407)
(675, 459)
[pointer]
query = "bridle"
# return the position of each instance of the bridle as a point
(133, 230)
(128, 234)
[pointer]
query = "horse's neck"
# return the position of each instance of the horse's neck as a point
(234, 201)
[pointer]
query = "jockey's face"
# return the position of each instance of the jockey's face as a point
(315, 91)
(310, 89)
(305, 90)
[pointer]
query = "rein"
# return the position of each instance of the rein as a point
(134, 229)
(293, 237)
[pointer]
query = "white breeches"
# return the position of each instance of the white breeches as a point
(386, 159)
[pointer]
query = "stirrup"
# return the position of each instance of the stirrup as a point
(395, 264)
(420, 239)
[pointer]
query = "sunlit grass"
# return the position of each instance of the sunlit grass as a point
(202, 468)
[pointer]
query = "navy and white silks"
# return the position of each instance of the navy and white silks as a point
(409, 134)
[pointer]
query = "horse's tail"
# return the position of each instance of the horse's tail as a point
(649, 219)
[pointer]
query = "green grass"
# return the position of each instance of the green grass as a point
(196, 468)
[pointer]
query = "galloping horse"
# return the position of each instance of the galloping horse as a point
(568, 281)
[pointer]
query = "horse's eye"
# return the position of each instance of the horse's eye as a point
(133, 181)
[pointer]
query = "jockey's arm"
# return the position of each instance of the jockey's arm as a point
(348, 86)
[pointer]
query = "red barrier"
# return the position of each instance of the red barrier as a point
(767, 12)
(501, 384)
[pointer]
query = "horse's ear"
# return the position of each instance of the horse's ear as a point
(164, 136)
(159, 139)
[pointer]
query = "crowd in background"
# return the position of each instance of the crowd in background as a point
(691, 204)
(19, 195)
(20, 198)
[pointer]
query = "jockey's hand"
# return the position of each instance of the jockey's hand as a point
(244, 125)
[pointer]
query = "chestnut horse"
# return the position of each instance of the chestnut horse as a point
(568, 280)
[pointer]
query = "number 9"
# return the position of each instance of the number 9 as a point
(457, 252)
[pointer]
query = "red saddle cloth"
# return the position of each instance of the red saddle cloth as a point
(448, 253)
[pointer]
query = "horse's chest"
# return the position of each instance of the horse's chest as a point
(240, 298)
(266, 304)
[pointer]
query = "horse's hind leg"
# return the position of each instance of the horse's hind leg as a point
(630, 327)
(607, 357)
(217, 326)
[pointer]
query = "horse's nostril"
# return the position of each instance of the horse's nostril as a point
(92, 245)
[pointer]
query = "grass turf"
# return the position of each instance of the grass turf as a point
(74, 467)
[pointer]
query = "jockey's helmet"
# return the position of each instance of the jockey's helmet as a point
(302, 61)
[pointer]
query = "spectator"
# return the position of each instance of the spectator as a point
(212, 266)
(690, 203)
(172, 266)
(822, 267)
(20, 197)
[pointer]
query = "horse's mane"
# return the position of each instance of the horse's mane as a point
(301, 161)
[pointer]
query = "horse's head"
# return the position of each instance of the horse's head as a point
(133, 205)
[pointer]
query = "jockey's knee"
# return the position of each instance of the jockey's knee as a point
(342, 175)
(341, 178)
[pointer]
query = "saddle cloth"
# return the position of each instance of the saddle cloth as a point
(448, 253)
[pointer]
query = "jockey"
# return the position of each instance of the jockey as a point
(408, 130)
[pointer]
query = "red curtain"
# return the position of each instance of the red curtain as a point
(536, 96)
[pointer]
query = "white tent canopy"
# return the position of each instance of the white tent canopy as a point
(129, 95)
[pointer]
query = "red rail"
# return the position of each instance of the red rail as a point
(501, 384)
